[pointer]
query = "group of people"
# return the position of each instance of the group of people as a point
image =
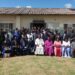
(37, 41)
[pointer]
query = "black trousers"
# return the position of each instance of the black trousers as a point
(73, 53)
(15, 51)
(1, 52)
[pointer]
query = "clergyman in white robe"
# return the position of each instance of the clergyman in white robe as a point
(39, 46)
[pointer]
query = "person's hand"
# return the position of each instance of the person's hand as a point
(37, 45)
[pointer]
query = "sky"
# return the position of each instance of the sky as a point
(38, 3)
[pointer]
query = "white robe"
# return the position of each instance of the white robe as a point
(39, 46)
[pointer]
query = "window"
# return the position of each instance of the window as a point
(6, 26)
(65, 26)
(73, 25)
(10, 26)
(53, 25)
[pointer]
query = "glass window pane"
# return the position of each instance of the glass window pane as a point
(65, 26)
(6, 26)
(10, 26)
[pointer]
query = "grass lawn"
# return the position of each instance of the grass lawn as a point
(37, 65)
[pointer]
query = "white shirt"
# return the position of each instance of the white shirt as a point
(29, 36)
(64, 43)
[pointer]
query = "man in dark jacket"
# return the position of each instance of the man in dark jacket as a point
(73, 48)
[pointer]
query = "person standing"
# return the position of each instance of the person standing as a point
(39, 43)
(73, 48)
(66, 48)
(48, 46)
(57, 47)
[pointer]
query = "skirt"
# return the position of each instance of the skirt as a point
(58, 52)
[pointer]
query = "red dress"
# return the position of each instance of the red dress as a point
(57, 48)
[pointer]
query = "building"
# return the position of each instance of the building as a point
(53, 18)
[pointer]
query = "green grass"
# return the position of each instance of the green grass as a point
(37, 65)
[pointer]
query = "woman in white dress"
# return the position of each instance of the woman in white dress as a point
(39, 43)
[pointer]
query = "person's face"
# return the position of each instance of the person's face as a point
(57, 39)
(39, 36)
(66, 40)
(49, 38)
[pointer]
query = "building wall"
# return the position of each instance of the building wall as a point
(8, 19)
(52, 21)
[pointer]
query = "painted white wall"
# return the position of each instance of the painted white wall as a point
(25, 20)
(18, 22)
(49, 19)
(8, 19)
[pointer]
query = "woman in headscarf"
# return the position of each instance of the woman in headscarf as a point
(57, 47)
(48, 46)
(39, 43)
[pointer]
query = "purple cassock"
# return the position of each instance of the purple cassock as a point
(48, 47)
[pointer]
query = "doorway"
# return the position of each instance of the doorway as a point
(38, 24)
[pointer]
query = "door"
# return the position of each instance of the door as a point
(38, 24)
